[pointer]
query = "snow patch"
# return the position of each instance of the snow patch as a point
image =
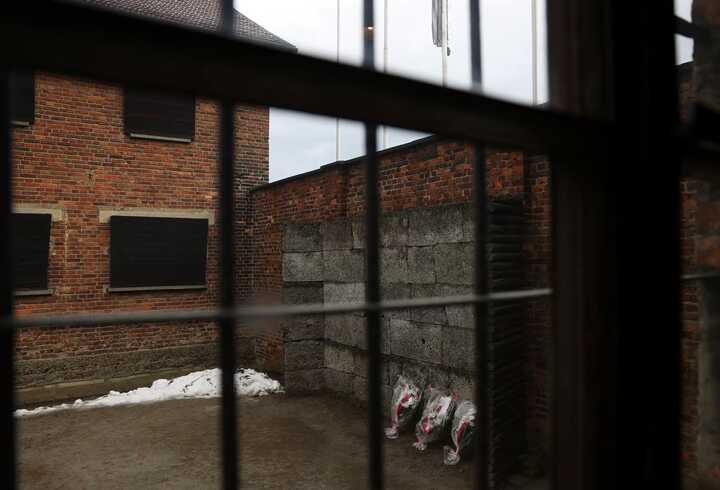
(200, 384)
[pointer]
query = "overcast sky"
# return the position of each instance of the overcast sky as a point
(301, 142)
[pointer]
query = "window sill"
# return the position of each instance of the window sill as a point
(155, 288)
(23, 124)
(35, 292)
(160, 138)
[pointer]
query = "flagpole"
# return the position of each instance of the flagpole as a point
(534, 53)
(337, 59)
(444, 41)
(385, 67)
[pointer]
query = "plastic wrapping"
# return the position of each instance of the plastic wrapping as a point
(461, 432)
(439, 409)
(406, 399)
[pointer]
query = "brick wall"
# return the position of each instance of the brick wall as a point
(76, 156)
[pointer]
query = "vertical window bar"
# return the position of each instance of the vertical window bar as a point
(229, 436)
(7, 372)
(372, 287)
(482, 350)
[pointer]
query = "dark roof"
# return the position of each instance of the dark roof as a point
(201, 14)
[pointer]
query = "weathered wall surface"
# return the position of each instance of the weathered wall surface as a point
(425, 252)
(76, 157)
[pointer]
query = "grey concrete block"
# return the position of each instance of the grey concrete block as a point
(358, 234)
(454, 263)
(337, 235)
(298, 294)
(360, 366)
(304, 328)
(438, 377)
(346, 329)
(339, 358)
(302, 267)
(339, 382)
(463, 386)
(302, 238)
(418, 373)
(386, 392)
(458, 349)
(395, 291)
(344, 266)
(421, 265)
(430, 226)
(304, 354)
(416, 341)
(344, 292)
(459, 316)
(435, 314)
(385, 335)
(336, 330)
(390, 372)
(468, 223)
(394, 229)
(360, 391)
(393, 265)
(303, 382)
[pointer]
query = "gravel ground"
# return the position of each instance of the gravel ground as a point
(287, 442)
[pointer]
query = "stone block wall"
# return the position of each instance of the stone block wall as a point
(425, 252)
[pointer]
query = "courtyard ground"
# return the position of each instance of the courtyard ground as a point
(287, 442)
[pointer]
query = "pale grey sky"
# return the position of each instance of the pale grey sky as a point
(301, 142)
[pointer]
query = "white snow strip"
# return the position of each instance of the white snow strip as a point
(200, 384)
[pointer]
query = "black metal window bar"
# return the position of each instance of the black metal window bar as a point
(69, 39)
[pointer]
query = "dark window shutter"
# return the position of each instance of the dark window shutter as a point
(31, 248)
(155, 252)
(159, 114)
(22, 96)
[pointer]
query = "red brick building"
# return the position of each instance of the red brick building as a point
(111, 184)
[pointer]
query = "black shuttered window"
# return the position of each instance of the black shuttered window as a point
(159, 115)
(31, 246)
(157, 252)
(22, 97)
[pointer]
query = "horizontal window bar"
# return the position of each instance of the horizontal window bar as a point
(108, 46)
(137, 289)
(701, 275)
(260, 312)
(34, 292)
(160, 138)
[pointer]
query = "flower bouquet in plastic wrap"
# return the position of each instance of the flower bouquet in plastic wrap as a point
(439, 408)
(461, 432)
(406, 399)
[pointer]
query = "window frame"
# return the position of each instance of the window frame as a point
(579, 141)
(167, 217)
(25, 75)
(44, 288)
(130, 96)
